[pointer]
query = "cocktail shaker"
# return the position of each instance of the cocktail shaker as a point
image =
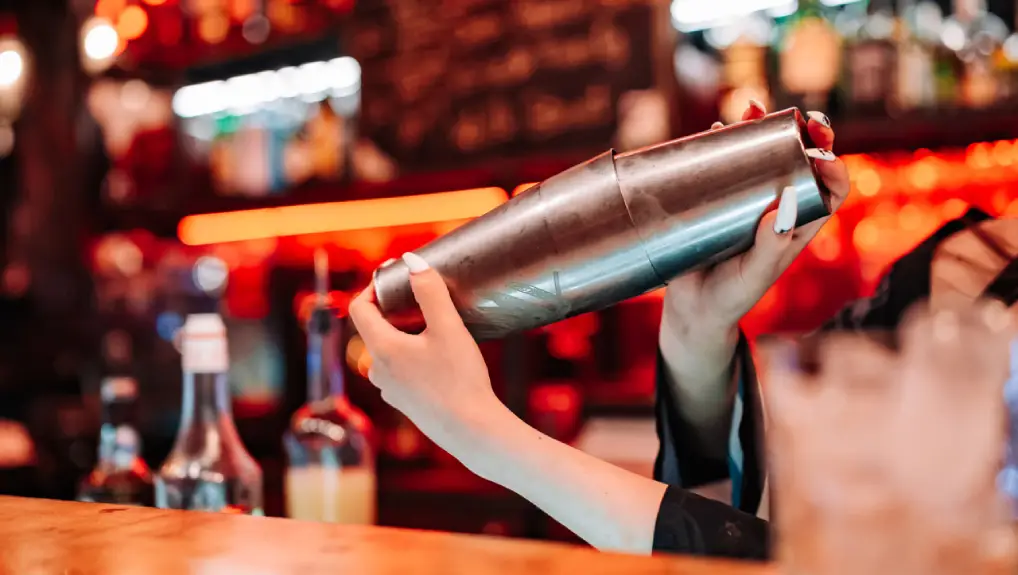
(613, 228)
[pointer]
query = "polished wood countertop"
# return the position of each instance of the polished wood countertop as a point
(43, 537)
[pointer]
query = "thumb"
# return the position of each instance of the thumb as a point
(432, 296)
(764, 262)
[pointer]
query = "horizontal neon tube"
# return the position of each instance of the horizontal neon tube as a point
(522, 188)
(203, 229)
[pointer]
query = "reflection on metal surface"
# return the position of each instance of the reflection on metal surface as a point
(613, 228)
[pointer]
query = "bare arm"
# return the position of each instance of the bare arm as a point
(701, 376)
(609, 507)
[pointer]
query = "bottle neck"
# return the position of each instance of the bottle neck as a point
(119, 440)
(206, 399)
(325, 372)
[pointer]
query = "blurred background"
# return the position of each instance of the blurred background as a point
(166, 157)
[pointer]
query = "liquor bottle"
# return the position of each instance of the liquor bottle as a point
(330, 472)
(120, 476)
(1007, 62)
(809, 57)
(914, 83)
(870, 65)
(208, 468)
(978, 35)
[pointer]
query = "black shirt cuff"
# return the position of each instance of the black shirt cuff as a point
(690, 524)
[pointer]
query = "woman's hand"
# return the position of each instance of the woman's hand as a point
(437, 378)
(699, 324)
(711, 302)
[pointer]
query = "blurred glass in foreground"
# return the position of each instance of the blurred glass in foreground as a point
(887, 461)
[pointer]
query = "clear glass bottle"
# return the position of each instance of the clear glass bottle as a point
(976, 34)
(915, 86)
(330, 472)
(120, 476)
(208, 468)
(871, 62)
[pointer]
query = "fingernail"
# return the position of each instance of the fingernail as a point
(716, 126)
(415, 262)
(388, 262)
(788, 210)
(819, 154)
(820, 118)
(755, 104)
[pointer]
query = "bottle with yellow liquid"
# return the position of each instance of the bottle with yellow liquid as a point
(330, 473)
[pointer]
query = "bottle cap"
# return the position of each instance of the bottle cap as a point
(204, 325)
(203, 344)
(118, 388)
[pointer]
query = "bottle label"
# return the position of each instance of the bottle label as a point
(204, 354)
(118, 388)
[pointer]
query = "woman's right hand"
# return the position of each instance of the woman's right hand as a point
(712, 301)
(702, 310)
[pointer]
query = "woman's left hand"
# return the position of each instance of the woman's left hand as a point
(437, 378)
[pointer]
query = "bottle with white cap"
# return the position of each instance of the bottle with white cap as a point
(208, 468)
(120, 476)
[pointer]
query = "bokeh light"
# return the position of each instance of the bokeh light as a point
(12, 65)
(132, 23)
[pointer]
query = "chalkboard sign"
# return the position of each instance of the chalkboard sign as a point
(451, 83)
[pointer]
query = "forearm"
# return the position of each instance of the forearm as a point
(699, 370)
(608, 507)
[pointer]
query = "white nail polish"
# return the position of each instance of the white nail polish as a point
(415, 262)
(819, 154)
(757, 105)
(388, 262)
(820, 118)
(788, 211)
(716, 126)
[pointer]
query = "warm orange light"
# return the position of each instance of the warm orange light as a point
(1002, 153)
(240, 10)
(213, 27)
(953, 208)
(868, 182)
(978, 156)
(132, 23)
(923, 174)
(339, 216)
(109, 9)
(866, 235)
(523, 187)
(154, 2)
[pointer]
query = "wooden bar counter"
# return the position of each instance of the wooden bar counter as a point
(42, 537)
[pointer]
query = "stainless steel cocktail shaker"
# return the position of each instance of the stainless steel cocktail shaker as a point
(613, 228)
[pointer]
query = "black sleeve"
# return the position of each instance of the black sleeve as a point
(690, 524)
(680, 461)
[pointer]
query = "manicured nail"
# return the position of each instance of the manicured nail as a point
(820, 118)
(716, 126)
(755, 104)
(788, 210)
(415, 262)
(388, 262)
(819, 154)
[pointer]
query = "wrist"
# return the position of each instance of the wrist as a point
(701, 338)
(483, 441)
